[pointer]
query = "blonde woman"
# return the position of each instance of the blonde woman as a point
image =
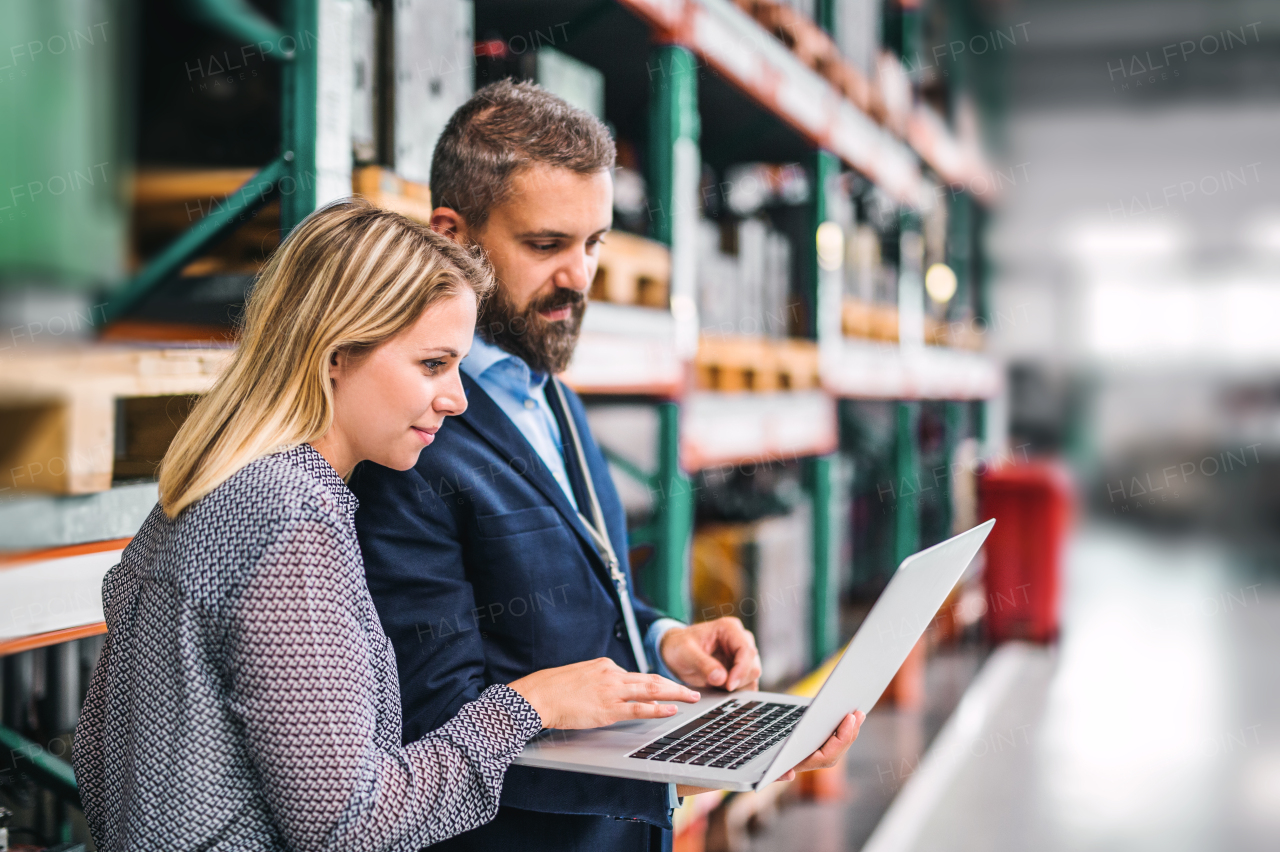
(247, 697)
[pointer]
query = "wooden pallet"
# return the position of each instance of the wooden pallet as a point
(633, 271)
(166, 202)
(797, 362)
(384, 188)
(73, 419)
(870, 320)
(807, 40)
(962, 333)
(735, 364)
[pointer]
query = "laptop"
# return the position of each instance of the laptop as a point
(746, 740)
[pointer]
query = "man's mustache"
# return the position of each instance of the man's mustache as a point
(559, 299)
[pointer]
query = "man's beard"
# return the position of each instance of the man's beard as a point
(545, 345)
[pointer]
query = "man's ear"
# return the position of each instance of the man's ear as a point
(449, 222)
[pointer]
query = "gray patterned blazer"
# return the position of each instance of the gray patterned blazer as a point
(247, 698)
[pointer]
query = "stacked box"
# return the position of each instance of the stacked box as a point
(762, 573)
(434, 59)
(747, 292)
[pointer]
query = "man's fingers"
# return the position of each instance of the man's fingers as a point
(736, 642)
(836, 745)
(839, 741)
(746, 664)
(706, 665)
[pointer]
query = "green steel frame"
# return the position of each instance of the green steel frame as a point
(820, 472)
(199, 236)
(51, 772)
(292, 175)
(673, 119)
(825, 624)
(906, 515)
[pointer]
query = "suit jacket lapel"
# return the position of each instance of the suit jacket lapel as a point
(493, 425)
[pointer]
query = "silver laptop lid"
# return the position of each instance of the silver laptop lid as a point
(910, 601)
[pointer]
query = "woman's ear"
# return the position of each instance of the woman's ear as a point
(337, 364)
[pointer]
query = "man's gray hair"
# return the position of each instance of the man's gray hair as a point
(504, 128)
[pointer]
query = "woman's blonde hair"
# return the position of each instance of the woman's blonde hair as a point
(348, 278)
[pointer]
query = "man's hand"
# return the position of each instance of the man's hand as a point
(833, 749)
(720, 653)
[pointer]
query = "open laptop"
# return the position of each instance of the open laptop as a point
(745, 740)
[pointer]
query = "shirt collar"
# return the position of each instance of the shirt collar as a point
(508, 370)
(309, 459)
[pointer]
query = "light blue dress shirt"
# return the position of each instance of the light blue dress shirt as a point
(520, 392)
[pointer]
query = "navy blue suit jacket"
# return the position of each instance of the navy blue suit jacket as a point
(482, 572)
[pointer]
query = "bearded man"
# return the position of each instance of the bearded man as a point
(493, 558)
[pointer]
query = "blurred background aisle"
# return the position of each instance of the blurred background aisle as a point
(1149, 727)
(881, 269)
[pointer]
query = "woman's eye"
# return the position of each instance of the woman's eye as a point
(544, 246)
(435, 365)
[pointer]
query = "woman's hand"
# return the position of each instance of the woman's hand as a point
(598, 692)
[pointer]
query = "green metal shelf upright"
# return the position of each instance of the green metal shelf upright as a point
(674, 130)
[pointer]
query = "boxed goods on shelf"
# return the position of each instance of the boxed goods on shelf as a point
(762, 573)
(735, 364)
(384, 188)
(743, 290)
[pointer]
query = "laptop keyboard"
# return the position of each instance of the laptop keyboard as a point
(726, 736)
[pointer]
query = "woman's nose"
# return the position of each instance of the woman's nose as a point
(452, 399)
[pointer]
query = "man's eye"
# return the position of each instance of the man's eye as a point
(544, 246)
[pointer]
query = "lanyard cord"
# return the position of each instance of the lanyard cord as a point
(600, 535)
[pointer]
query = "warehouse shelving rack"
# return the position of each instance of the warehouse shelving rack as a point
(784, 100)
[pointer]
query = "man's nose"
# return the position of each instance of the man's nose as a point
(576, 274)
